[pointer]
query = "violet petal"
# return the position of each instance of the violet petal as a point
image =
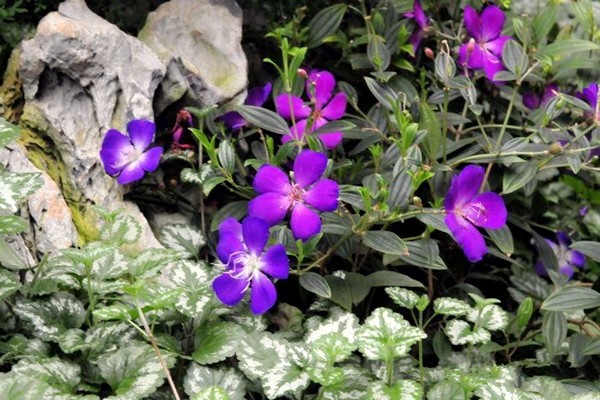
(229, 290)
(150, 159)
(336, 107)
(286, 104)
(271, 179)
(309, 166)
(497, 45)
(472, 22)
(131, 172)
(270, 207)
(141, 132)
(320, 86)
(467, 236)
(576, 258)
(464, 186)
(323, 195)
(487, 210)
(256, 233)
(263, 294)
(259, 95)
(275, 262)
(304, 222)
(492, 21)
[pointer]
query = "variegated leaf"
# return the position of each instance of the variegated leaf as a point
(352, 385)
(451, 306)
(11, 224)
(9, 283)
(134, 371)
(17, 387)
(403, 297)
(8, 132)
(194, 279)
(401, 390)
(15, 187)
(333, 338)
(50, 318)
(124, 229)
(270, 359)
(203, 382)
(150, 260)
(460, 332)
(62, 376)
(110, 266)
(215, 341)
(490, 317)
(183, 238)
(386, 335)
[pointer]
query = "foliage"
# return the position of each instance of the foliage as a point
(384, 298)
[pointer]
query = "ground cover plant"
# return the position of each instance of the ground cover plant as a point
(409, 209)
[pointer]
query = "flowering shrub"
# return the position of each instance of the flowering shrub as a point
(387, 140)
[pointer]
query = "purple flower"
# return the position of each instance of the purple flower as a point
(567, 259)
(590, 96)
(128, 157)
(533, 100)
(466, 208)
(241, 249)
(325, 108)
(486, 51)
(256, 97)
(421, 20)
(303, 195)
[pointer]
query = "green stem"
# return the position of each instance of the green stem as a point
(445, 124)
(91, 298)
(506, 118)
(421, 368)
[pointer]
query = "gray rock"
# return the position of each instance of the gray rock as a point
(52, 224)
(200, 43)
(81, 76)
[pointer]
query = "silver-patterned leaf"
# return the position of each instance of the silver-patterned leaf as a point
(15, 187)
(8, 132)
(215, 341)
(460, 332)
(9, 283)
(402, 389)
(11, 224)
(151, 260)
(50, 318)
(386, 335)
(201, 382)
(269, 358)
(18, 387)
(183, 238)
(197, 296)
(403, 297)
(124, 229)
(134, 371)
(451, 306)
(490, 317)
(62, 376)
(110, 266)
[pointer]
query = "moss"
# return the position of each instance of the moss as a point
(42, 153)
(11, 91)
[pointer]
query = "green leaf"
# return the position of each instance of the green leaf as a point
(382, 92)
(460, 332)
(592, 347)
(215, 341)
(15, 187)
(183, 238)
(566, 47)
(271, 359)
(445, 67)
(11, 224)
(62, 376)
(423, 253)
(315, 283)
(340, 291)
(334, 126)
(446, 390)
(123, 230)
(572, 298)
(332, 339)
(150, 260)
(401, 389)
(18, 387)
(196, 298)
(325, 23)
(554, 331)
(451, 306)
(430, 122)
(403, 297)
(515, 58)
(235, 209)
(226, 154)
(384, 242)
(9, 283)
(386, 335)
(490, 317)
(263, 118)
(134, 371)
(392, 278)
(518, 176)
(8, 132)
(9, 258)
(204, 383)
(378, 53)
(588, 248)
(50, 318)
(503, 239)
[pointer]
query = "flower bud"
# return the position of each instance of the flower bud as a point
(417, 201)
(555, 149)
(470, 46)
(302, 73)
(429, 53)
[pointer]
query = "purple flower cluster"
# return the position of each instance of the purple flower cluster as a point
(466, 208)
(590, 96)
(484, 49)
(128, 157)
(323, 107)
(568, 259)
(242, 246)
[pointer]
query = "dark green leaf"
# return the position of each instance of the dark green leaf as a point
(334, 126)
(503, 239)
(554, 331)
(566, 47)
(588, 248)
(515, 58)
(226, 155)
(572, 298)
(384, 242)
(8, 132)
(430, 122)
(264, 118)
(392, 278)
(315, 283)
(325, 23)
